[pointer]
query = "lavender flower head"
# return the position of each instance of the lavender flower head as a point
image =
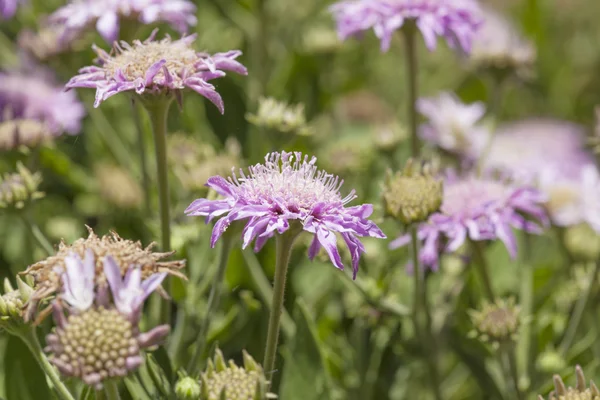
(106, 15)
(31, 93)
(155, 67)
(99, 340)
(8, 8)
(478, 209)
(455, 20)
(454, 126)
(289, 189)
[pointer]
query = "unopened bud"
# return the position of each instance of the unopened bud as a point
(187, 388)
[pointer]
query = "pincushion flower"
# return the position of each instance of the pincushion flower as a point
(8, 8)
(100, 339)
(32, 93)
(454, 126)
(289, 189)
(154, 67)
(478, 209)
(455, 20)
(106, 15)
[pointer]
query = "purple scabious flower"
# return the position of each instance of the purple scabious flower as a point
(106, 15)
(287, 189)
(99, 340)
(478, 209)
(154, 67)
(31, 93)
(455, 20)
(454, 126)
(8, 8)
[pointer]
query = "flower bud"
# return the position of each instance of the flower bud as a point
(187, 388)
(12, 304)
(20, 188)
(579, 392)
(280, 116)
(413, 194)
(497, 323)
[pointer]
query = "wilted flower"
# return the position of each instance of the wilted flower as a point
(97, 340)
(497, 323)
(8, 8)
(155, 67)
(15, 133)
(31, 93)
(279, 116)
(127, 254)
(579, 392)
(106, 15)
(287, 190)
(478, 208)
(499, 47)
(413, 194)
(118, 187)
(455, 20)
(12, 303)
(227, 381)
(20, 188)
(454, 126)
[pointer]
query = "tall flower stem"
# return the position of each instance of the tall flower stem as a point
(37, 234)
(112, 391)
(194, 366)
(284, 249)
(422, 317)
(482, 268)
(143, 156)
(412, 75)
(32, 342)
(578, 312)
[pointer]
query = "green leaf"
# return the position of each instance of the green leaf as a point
(24, 377)
(163, 361)
(160, 377)
(305, 375)
(87, 394)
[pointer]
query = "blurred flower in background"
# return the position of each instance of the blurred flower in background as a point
(8, 8)
(455, 20)
(154, 67)
(117, 187)
(280, 116)
(107, 15)
(32, 93)
(47, 42)
(454, 126)
(19, 188)
(15, 133)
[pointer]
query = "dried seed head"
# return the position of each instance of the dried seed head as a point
(579, 392)
(23, 132)
(20, 188)
(280, 116)
(413, 194)
(98, 344)
(227, 381)
(118, 187)
(497, 323)
(126, 253)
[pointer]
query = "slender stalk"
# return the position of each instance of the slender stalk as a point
(284, 249)
(412, 75)
(526, 300)
(514, 374)
(143, 157)
(158, 110)
(32, 342)
(481, 265)
(262, 51)
(578, 312)
(421, 314)
(112, 390)
(100, 395)
(214, 296)
(37, 234)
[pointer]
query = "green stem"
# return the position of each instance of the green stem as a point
(100, 395)
(526, 300)
(32, 342)
(412, 74)
(514, 374)
(37, 234)
(214, 296)
(578, 312)
(481, 265)
(284, 249)
(112, 390)
(158, 110)
(423, 328)
(262, 51)
(137, 118)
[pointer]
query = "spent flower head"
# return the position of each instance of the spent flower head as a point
(99, 340)
(157, 66)
(79, 15)
(226, 381)
(413, 194)
(478, 209)
(497, 323)
(32, 93)
(456, 21)
(453, 126)
(289, 192)
(19, 189)
(280, 116)
(580, 392)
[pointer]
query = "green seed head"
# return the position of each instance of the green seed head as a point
(280, 117)
(497, 323)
